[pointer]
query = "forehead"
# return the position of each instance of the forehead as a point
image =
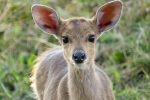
(76, 26)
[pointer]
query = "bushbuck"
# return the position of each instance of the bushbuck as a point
(69, 72)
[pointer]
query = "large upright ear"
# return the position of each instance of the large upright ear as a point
(108, 15)
(46, 18)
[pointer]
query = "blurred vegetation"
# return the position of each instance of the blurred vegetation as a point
(124, 52)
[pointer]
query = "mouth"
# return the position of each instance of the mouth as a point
(80, 63)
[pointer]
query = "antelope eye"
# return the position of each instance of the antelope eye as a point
(91, 38)
(65, 39)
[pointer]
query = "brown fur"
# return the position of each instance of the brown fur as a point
(51, 80)
(54, 79)
(55, 75)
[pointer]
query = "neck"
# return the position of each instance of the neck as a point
(82, 82)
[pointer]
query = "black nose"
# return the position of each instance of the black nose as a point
(79, 56)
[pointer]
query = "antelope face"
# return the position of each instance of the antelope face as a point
(78, 35)
(78, 39)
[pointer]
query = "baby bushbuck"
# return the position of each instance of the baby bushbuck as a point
(70, 73)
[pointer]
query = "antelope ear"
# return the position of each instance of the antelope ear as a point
(108, 15)
(46, 18)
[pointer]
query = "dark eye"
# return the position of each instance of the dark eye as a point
(65, 39)
(91, 38)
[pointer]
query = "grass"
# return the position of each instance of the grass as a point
(124, 52)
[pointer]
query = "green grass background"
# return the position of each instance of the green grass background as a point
(124, 52)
